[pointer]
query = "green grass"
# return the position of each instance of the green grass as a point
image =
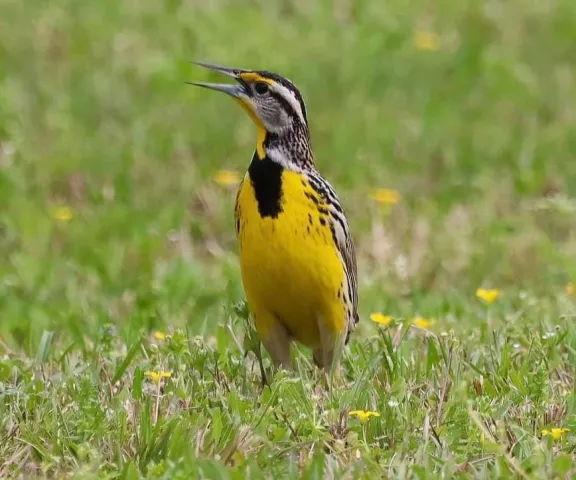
(478, 136)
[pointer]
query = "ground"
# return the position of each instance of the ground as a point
(448, 130)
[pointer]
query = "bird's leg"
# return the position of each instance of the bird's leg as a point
(318, 357)
(258, 353)
(275, 338)
(328, 355)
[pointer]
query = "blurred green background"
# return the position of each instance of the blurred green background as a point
(465, 108)
(113, 223)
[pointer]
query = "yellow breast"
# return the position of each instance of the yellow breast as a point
(290, 265)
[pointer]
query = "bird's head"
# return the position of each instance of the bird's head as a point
(273, 102)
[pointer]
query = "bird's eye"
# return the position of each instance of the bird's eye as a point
(261, 88)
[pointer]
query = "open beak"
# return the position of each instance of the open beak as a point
(233, 90)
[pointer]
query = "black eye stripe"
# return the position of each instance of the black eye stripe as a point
(285, 103)
(298, 96)
(290, 86)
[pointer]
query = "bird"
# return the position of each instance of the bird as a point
(297, 255)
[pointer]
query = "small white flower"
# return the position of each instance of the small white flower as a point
(393, 403)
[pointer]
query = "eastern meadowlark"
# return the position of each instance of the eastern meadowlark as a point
(297, 255)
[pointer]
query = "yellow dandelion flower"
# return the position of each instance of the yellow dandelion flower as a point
(227, 178)
(570, 289)
(156, 376)
(380, 318)
(422, 322)
(363, 415)
(428, 41)
(62, 214)
(385, 196)
(555, 433)
(488, 295)
(159, 335)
